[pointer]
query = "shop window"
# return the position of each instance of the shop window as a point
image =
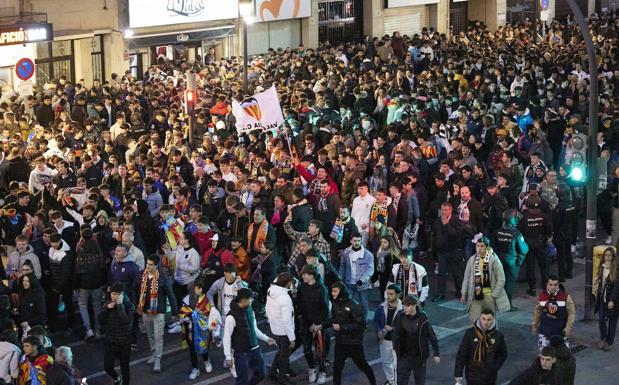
(458, 16)
(135, 66)
(55, 59)
(340, 21)
(97, 57)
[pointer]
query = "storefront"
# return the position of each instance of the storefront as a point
(458, 15)
(176, 31)
(18, 42)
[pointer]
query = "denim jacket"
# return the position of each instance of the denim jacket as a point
(364, 271)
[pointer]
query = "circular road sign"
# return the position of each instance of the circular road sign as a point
(24, 69)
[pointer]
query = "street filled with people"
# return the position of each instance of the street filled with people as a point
(409, 171)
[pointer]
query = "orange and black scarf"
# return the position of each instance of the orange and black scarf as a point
(153, 293)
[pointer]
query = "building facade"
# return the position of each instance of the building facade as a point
(93, 39)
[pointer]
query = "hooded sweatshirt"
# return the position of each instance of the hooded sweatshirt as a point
(16, 261)
(60, 263)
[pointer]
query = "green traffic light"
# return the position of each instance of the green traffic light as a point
(577, 174)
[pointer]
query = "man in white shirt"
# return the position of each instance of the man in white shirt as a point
(361, 208)
(226, 173)
(244, 340)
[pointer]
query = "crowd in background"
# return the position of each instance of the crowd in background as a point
(454, 148)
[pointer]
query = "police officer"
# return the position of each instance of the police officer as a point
(564, 218)
(510, 246)
(537, 230)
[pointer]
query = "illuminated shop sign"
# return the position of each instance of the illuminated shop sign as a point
(26, 33)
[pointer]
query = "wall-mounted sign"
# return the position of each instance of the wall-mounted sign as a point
(26, 33)
(150, 13)
(24, 68)
(272, 10)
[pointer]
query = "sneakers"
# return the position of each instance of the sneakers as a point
(174, 329)
(194, 374)
(322, 378)
(157, 366)
(233, 371)
(89, 335)
(312, 374)
(207, 366)
(151, 360)
(134, 348)
(119, 379)
(601, 345)
(608, 240)
(99, 335)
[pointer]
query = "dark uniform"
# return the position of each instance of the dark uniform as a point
(537, 229)
(564, 217)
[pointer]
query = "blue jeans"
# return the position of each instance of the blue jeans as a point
(84, 296)
(608, 324)
(244, 362)
(360, 296)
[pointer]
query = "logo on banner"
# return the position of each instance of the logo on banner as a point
(252, 108)
(275, 6)
(186, 7)
(261, 111)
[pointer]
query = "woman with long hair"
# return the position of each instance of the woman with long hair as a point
(387, 251)
(187, 265)
(32, 306)
(606, 291)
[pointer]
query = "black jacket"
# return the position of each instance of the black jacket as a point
(347, 313)
(447, 238)
(566, 364)
(185, 169)
(32, 307)
(116, 322)
(60, 374)
(17, 170)
(313, 303)
(90, 266)
(413, 336)
(535, 375)
(486, 371)
(301, 215)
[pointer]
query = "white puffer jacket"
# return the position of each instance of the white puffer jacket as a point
(280, 312)
(9, 361)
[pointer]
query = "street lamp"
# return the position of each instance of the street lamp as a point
(246, 12)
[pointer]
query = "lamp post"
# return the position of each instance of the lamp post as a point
(592, 173)
(246, 11)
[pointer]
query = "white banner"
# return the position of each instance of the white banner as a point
(148, 13)
(409, 3)
(272, 10)
(259, 112)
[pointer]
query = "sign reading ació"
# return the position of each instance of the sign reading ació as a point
(26, 33)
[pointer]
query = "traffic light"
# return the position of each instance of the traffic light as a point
(190, 93)
(578, 159)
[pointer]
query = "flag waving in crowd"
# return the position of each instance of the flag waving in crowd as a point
(260, 111)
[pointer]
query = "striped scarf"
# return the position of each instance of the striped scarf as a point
(153, 293)
(484, 340)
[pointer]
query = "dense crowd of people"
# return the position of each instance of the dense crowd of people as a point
(451, 148)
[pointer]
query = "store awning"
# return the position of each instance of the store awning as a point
(180, 37)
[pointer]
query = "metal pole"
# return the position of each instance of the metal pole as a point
(245, 81)
(592, 173)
